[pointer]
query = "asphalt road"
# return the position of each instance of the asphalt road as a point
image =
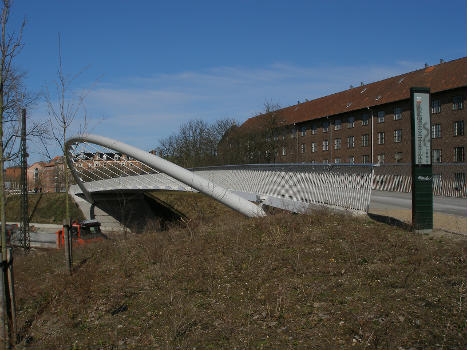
(44, 235)
(397, 200)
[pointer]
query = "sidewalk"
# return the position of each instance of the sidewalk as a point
(41, 235)
(441, 221)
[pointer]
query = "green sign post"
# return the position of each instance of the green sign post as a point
(422, 177)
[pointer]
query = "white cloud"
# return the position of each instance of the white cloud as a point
(140, 110)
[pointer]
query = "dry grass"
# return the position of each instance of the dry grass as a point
(307, 281)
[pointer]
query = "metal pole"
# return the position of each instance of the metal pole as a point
(25, 238)
(66, 243)
(11, 283)
(372, 138)
(70, 242)
(3, 306)
(7, 306)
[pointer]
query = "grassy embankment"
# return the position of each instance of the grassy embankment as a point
(224, 281)
(44, 208)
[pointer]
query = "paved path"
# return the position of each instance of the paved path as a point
(397, 200)
(44, 235)
(449, 214)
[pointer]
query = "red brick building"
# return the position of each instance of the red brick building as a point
(13, 179)
(46, 176)
(371, 123)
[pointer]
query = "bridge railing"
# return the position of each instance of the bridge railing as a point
(448, 178)
(336, 185)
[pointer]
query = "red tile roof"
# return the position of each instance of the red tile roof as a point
(440, 77)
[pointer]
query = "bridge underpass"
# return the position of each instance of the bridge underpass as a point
(131, 210)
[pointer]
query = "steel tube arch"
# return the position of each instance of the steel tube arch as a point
(177, 172)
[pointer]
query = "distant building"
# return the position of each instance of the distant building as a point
(365, 124)
(13, 179)
(92, 166)
(47, 176)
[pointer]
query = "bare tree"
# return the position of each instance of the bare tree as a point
(12, 99)
(64, 106)
(195, 143)
(259, 141)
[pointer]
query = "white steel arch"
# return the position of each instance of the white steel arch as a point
(197, 182)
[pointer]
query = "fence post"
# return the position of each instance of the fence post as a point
(66, 243)
(11, 283)
(70, 242)
(8, 307)
(3, 307)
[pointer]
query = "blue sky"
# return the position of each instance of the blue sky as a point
(155, 64)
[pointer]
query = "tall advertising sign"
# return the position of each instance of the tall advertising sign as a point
(422, 177)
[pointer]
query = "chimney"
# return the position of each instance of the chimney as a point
(426, 65)
(441, 61)
(361, 83)
(351, 86)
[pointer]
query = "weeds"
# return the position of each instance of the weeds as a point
(309, 281)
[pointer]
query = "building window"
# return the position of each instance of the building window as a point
(337, 124)
(337, 160)
(303, 148)
(284, 151)
(325, 126)
(436, 156)
(313, 129)
(436, 131)
(36, 174)
(350, 142)
(459, 155)
(352, 160)
(398, 135)
(435, 106)
(350, 122)
(365, 140)
(365, 118)
(457, 103)
(459, 128)
(381, 158)
(397, 113)
(325, 161)
(398, 157)
(303, 131)
(365, 159)
(337, 143)
(381, 138)
(313, 147)
(325, 145)
(381, 117)
(293, 133)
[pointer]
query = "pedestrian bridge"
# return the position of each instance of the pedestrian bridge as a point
(101, 165)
